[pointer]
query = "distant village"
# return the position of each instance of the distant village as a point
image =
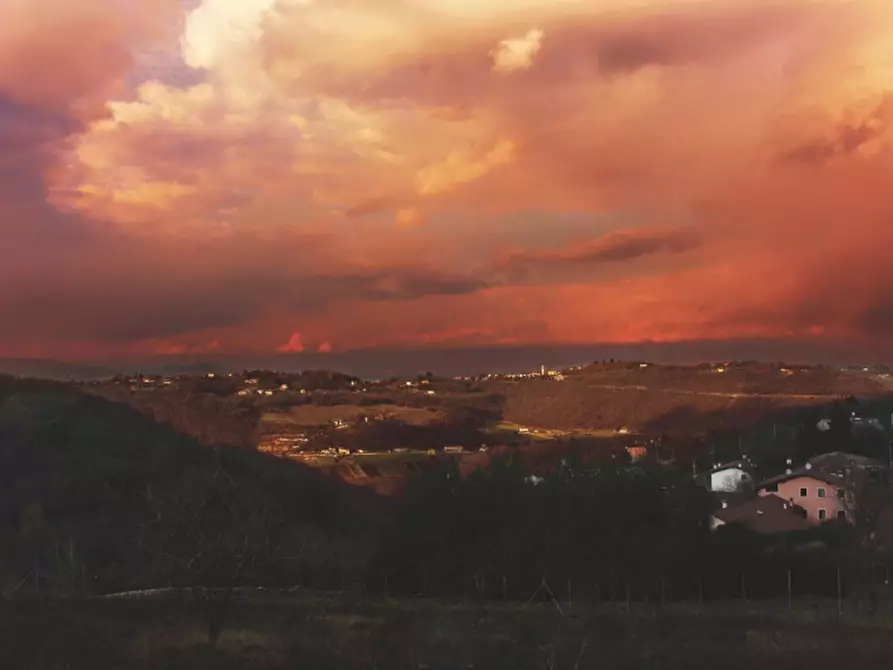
(823, 488)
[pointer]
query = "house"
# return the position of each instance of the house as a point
(818, 492)
(733, 476)
(764, 514)
(820, 485)
(637, 452)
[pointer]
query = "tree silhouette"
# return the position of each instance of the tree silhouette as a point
(211, 537)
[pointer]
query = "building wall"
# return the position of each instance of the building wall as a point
(728, 480)
(811, 502)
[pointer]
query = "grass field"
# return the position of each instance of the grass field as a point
(353, 632)
(543, 434)
(309, 416)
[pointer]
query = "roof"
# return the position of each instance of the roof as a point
(810, 473)
(831, 468)
(838, 461)
(731, 498)
(740, 465)
(765, 514)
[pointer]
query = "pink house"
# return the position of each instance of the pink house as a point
(819, 493)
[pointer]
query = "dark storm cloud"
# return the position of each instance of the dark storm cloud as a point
(845, 139)
(620, 246)
(119, 306)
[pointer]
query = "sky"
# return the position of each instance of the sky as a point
(325, 175)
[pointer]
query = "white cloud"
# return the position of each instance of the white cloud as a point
(461, 167)
(517, 53)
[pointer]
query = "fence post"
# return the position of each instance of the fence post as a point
(789, 590)
(839, 596)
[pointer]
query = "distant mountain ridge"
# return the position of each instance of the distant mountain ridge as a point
(41, 368)
(454, 361)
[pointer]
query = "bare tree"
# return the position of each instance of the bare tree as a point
(210, 536)
(867, 502)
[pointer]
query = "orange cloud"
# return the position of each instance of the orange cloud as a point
(375, 173)
(61, 55)
(294, 344)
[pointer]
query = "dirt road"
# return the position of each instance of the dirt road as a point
(717, 394)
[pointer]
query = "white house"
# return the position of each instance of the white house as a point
(730, 477)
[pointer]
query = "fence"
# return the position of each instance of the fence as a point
(830, 593)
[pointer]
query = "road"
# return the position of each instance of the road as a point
(717, 394)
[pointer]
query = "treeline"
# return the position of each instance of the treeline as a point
(615, 533)
(795, 435)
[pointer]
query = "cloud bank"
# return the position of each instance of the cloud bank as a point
(336, 174)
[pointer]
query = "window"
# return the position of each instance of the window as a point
(803, 492)
(823, 515)
(821, 492)
(841, 514)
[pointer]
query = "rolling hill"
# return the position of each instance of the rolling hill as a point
(206, 417)
(676, 399)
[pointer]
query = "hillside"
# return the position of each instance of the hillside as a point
(676, 399)
(96, 495)
(207, 417)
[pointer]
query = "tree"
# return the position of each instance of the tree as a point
(211, 537)
(867, 501)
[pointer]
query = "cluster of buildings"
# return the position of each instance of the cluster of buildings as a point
(820, 490)
(542, 373)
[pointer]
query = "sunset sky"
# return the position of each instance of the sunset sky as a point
(284, 175)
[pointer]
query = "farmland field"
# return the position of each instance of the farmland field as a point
(309, 416)
(552, 433)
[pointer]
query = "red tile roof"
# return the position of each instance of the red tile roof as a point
(765, 514)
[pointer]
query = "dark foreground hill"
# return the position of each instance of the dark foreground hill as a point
(95, 496)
